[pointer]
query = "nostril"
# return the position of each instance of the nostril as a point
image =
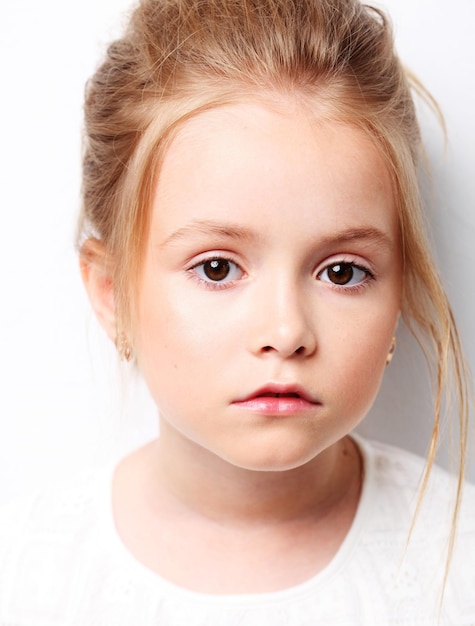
(300, 350)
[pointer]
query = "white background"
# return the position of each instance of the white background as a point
(64, 402)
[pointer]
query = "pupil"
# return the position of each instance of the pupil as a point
(340, 274)
(217, 269)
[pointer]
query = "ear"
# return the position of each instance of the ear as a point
(96, 272)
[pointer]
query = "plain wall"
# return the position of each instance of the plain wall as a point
(65, 402)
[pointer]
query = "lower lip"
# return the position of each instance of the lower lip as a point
(267, 405)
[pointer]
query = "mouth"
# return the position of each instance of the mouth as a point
(278, 395)
(275, 390)
(278, 399)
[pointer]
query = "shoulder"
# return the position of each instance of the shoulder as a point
(43, 541)
(397, 478)
(462, 568)
(59, 508)
(403, 473)
(393, 465)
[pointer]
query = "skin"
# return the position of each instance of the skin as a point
(285, 200)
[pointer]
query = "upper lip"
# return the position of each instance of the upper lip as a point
(282, 389)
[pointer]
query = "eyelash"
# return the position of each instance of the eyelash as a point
(210, 284)
(366, 282)
(218, 285)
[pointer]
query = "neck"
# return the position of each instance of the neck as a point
(196, 480)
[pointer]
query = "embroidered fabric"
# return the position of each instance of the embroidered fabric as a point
(62, 562)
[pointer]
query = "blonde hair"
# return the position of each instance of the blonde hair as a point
(180, 57)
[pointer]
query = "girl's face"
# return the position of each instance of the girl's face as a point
(271, 285)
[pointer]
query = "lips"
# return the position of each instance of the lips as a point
(276, 390)
(278, 399)
(279, 395)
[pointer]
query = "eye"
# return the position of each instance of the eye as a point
(218, 270)
(344, 274)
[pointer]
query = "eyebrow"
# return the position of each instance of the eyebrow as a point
(364, 234)
(211, 227)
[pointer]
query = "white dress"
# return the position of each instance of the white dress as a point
(63, 564)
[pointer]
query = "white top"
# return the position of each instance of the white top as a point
(63, 564)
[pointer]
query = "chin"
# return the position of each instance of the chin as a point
(271, 458)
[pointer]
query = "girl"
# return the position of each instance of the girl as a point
(251, 235)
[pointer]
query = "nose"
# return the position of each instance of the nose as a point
(283, 322)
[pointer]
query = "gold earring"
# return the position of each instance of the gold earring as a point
(392, 349)
(123, 347)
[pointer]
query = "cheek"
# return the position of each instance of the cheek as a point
(189, 321)
(176, 340)
(355, 352)
(363, 375)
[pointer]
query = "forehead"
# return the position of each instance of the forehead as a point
(258, 163)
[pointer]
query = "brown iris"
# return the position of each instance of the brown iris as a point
(216, 269)
(341, 273)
